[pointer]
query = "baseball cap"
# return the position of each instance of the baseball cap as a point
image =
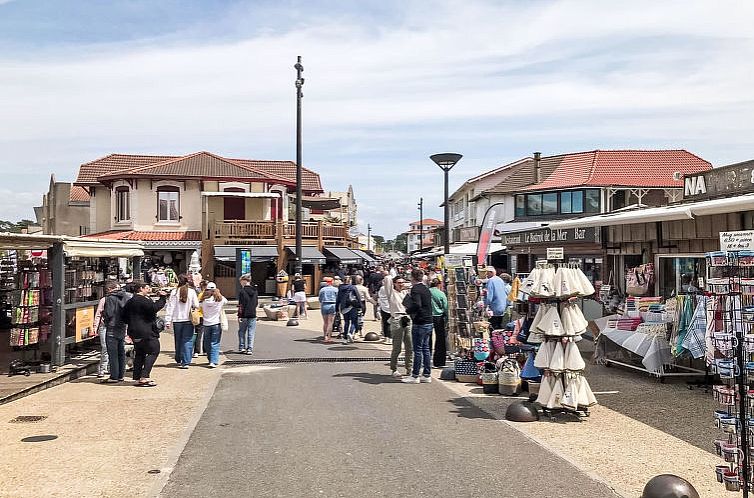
(211, 286)
(491, 268)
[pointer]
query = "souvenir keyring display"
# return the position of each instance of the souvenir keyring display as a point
(733, 343)
(556, 327)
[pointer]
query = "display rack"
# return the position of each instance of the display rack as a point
(459, 306)
(731, 274)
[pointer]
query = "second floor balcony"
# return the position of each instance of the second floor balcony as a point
(244, 231)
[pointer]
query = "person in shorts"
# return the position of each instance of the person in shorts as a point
(328, 295)
(299, 295)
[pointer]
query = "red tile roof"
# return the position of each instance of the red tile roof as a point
(626, 168)
(189, 235)
(427, 221)
(79, 194)
(200, 164)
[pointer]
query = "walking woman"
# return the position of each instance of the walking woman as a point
(211, 304)
(178, 316)
(199, 329)
(101, 328)
(328, 295)
(140, 314)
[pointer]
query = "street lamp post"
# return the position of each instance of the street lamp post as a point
(369, 237)
(446, 161)
(299, 95)
(421, 223)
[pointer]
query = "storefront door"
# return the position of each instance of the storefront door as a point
(234, 208)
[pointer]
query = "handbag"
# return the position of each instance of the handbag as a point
(196, 316)
(640, 279)
(158, 325)
(223, 321)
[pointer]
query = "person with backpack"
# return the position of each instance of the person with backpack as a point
(115, 334)
(248, 301)
(419, 307)
(181, 302)
(212, 303)
(101, 328)
(400, 324)
(349, 304)
(140, 313)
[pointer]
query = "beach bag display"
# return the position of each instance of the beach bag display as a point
(481, 349)
(490, 382)
(466, 371)
(509, 378)
(530, 372)
(639, 280)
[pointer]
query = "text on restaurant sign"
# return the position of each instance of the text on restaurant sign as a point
(548, 235)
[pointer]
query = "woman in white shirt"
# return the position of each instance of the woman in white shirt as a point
(182, 300)
(212, 307)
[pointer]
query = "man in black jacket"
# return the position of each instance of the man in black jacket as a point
(248, 300)
(115, 335)
(419, 307)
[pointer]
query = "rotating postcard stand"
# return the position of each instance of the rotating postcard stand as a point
(556, 327)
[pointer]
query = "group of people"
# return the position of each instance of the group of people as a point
(410, 305)
(195, 315)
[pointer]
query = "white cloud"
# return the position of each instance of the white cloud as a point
(380, 98)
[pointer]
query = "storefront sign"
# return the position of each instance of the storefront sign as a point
(544, 236)
(245, 262)
(455, 260)
(84, 323)
(555, 253)
(737, 241)
(720, 182)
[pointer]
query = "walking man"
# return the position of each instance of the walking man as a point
(419, 307)
(439, 321)
(115, 335)
(248, 300)
(400, 323)
(496, 298)
(349, 304)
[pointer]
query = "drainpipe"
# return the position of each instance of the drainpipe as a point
(537, 168)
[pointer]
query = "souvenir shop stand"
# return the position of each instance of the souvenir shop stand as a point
(731, 283)
(462, 294)
(49, 290)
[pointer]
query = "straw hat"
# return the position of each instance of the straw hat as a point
(556, 395)
(557, 360)
(573, 359)
(545, 389)
(542, 360)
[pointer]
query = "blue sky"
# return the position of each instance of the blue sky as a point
(387, 84)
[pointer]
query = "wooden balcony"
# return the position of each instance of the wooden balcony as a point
(231, 232)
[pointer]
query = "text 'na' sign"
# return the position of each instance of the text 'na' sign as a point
(737, 241)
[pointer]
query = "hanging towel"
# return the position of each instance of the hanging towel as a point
(685, 313)
(694, 341)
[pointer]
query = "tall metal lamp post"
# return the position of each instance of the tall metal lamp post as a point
(421, 223)
(299, 95)
(369, 237)
(446, 161)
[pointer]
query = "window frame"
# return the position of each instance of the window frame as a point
(530, 212)
(598, 208)
(169, 189)
(122, 203)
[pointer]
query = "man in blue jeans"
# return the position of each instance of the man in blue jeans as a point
(419, 307)
(348, 303)
(248, 300)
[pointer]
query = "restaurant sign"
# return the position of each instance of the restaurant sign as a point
(720, 182)
(544, 236)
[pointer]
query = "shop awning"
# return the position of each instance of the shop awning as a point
(247, 195)
(25, 242)
(323, 203)
(94, 248)
(258, 253)
(471, 248)
(366, 257)
(344, 255)
(309, 255)
(649, 215)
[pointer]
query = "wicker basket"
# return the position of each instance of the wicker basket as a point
(467, 379)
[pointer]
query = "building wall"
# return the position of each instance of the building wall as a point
(61, 217)
(100, 217)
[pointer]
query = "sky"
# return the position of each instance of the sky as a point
(388, 83)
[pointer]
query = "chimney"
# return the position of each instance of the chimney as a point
(537, 168)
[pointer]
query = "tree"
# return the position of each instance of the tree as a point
(17, 227)
(401, 243)
(379, 242)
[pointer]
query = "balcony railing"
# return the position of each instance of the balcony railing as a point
(271, 230)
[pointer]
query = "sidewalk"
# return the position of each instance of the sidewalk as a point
(109, 437)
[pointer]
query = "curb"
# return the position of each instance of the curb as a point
(64, 377)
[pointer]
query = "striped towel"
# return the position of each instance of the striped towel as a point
(694, 341)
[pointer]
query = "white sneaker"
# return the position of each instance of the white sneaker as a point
(396, 374)
(212, 365)
(410, 380)
(241, 351)
(425, 380)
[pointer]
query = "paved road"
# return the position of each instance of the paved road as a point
(347, 429)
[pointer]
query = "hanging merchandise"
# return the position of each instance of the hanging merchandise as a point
(544, 355)
(509, 378)
(530, 371)
(481, 349)
(640, 279)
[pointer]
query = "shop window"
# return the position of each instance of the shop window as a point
(520, 206)
(168, 204)
(550, 203)
(534, 205)
(592, 201)
(122, 204)
(565, 202)
(577, 201)
(681, 275)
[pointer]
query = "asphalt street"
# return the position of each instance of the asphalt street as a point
(348, 429)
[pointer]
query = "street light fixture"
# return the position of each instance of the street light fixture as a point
(298, 267)
(446, 161)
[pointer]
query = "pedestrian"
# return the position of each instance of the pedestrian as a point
(299, 295)
(182, 301)
(439, 323)
(101, 328)
(248, 301)
(419, 307)
(349, 304)
(328, 296)
(374, 284)
(365, 298)
(496, 298)
(507, 286)
(211, 304)
(199, 328)
(115, 335)
(337, 281)
(400, 324)
(141, 314)
(384, 313)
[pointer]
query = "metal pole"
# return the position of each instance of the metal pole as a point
(421, 223)
(299, 95)
(369, 237)
(447, 214)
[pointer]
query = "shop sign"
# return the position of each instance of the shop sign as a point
(737, 241)
(84, 323)
(455, 260)
(245, 262)
(543, 236)
(719, 182)
(555, 253)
